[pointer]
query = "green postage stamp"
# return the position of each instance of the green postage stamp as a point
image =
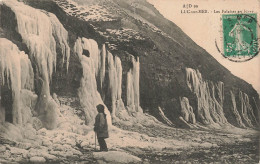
(240, 42)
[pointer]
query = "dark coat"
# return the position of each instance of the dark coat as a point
(100, 126)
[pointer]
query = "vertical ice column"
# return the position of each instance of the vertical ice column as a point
(115, 81)
(246, 109)
(102, 66)
(88, 94)
(220, 92)
(16, 71)
(133, 86)
(235, 111)
(92, 47)
(216, 103)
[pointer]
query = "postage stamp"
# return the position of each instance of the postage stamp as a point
(240, 42)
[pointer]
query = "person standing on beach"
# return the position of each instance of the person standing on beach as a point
(101, 127)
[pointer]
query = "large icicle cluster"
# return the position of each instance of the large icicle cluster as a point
(43, 34)
(99, 65)
(40, 31)
(17, 74)
(210, 108)
(133, 98)
(114, 69)
(115, 81)
(210, 99)
(242, 110)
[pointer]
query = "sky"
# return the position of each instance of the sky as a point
(205, 28)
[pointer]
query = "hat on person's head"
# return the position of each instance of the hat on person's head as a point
(100, 108)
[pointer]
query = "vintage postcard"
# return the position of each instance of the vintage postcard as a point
(129, 81)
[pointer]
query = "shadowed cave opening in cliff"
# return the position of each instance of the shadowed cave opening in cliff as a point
(6, 104)
(86, 53)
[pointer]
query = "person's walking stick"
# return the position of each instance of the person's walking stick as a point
(95, 141)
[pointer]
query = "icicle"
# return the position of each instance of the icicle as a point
(246, 109)
(102, 65)
(133, 86)
(61, 35)
(118, 68)
(115, 80)
(112, 81)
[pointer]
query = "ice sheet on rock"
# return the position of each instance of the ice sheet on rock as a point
(88, 93)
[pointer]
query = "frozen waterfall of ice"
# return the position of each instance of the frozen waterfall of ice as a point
(17, 74)
(42, 33)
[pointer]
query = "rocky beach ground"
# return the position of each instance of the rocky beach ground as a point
(143, 140)
(170, 146)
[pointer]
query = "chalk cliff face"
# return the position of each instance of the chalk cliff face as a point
(125, 59)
